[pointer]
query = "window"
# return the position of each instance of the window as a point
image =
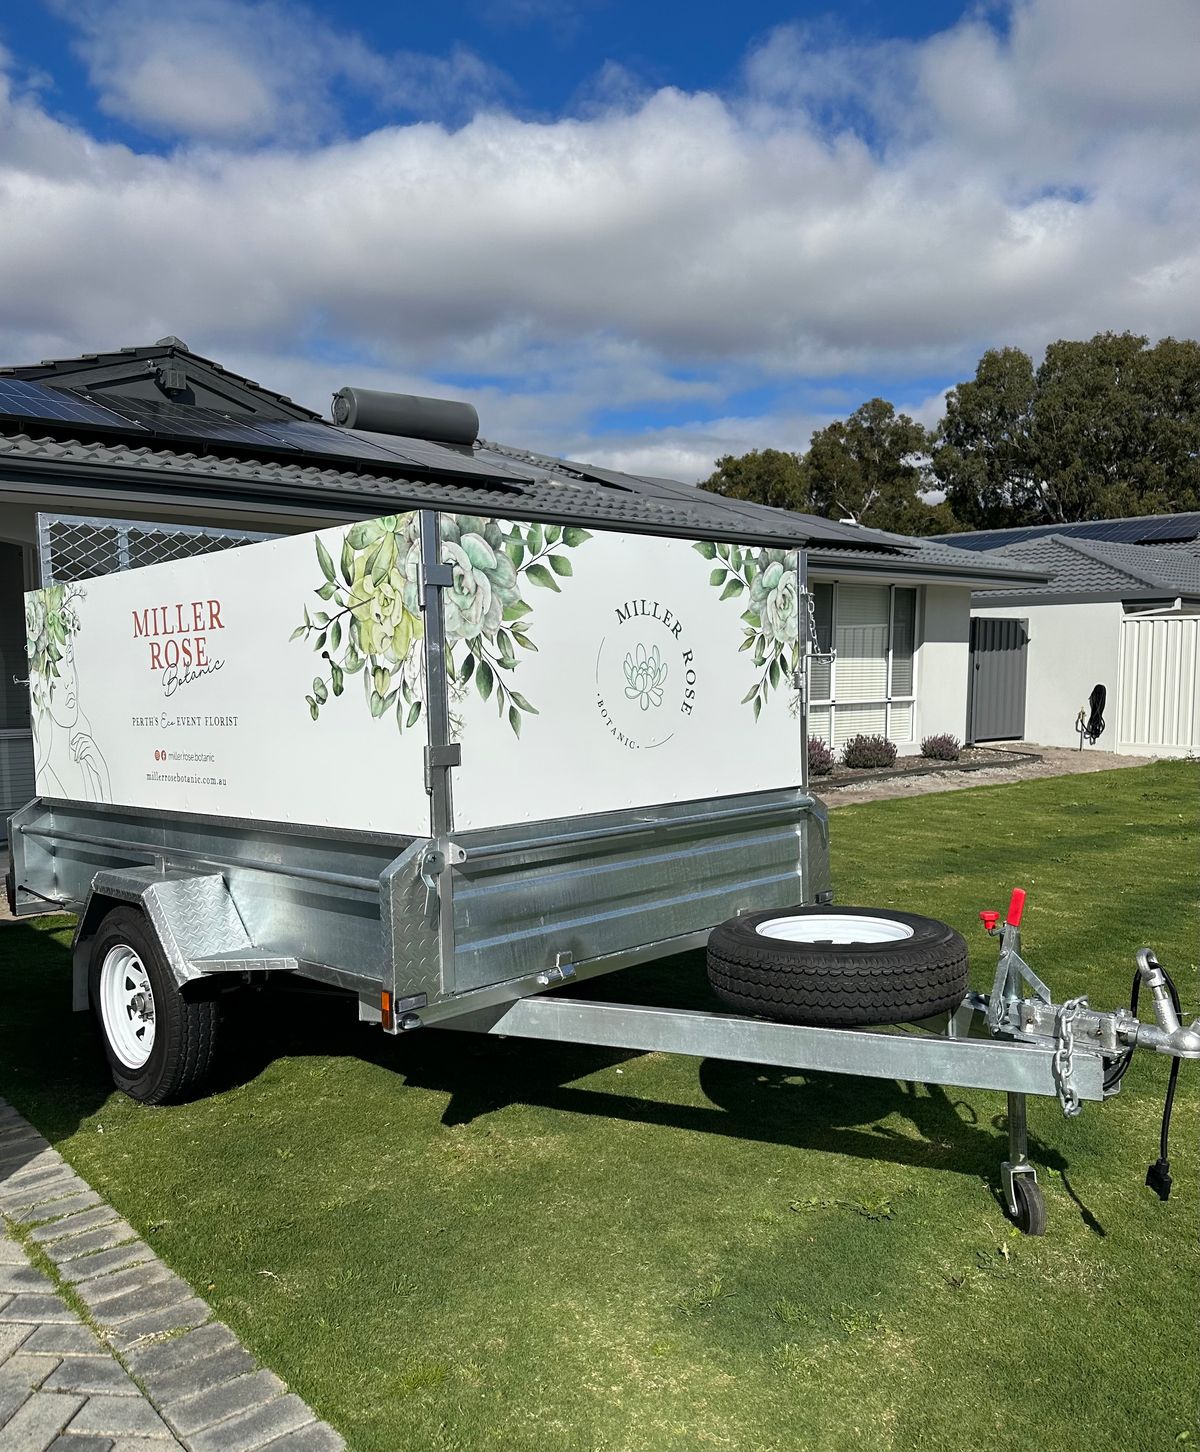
(870, 688)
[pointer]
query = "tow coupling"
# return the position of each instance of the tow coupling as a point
(1020, 1007)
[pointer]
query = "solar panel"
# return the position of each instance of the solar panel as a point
(20, 399)
(423, 455)
(417, 455)
(182, 421)
(324, 439)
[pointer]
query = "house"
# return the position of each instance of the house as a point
(1121, 610)
(114, 459)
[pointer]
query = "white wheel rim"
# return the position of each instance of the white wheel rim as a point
(127, 1006)
(839, 928)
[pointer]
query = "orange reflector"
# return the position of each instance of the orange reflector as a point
(385, 1010)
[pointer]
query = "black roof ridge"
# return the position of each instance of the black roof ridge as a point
(164, 348)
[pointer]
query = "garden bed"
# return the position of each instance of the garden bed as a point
(973, 758)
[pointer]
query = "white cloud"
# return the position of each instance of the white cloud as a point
(241, 71)
(1007, 186)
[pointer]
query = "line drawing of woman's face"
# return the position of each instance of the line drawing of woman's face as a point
(64, 698)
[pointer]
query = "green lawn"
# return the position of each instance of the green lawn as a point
(449, 1243)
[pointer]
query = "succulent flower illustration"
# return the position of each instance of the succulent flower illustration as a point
(371, 622)
(51, 620)
(770, 582)
(645, 676)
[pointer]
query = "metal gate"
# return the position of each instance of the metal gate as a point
(1159, 702)
(996, 689)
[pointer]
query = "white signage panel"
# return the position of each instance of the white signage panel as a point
(266, 681)
(592, 671)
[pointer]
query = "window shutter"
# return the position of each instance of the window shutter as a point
(862, 640)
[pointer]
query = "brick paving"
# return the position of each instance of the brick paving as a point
(102, 1347)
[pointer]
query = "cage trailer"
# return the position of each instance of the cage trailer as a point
(453, 764)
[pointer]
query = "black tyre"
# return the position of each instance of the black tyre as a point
(159, 1044)
(838, 966)
(1030, 1218)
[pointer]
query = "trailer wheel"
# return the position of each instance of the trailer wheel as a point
(838, 966)
(1030, 1217)
(159, 1044)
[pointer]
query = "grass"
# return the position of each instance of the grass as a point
(451, 1243)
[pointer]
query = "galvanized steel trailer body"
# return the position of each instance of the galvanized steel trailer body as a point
(468, 929)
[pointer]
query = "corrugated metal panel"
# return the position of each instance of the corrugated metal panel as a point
(1159, 702)
(999, 656)
(16, 774)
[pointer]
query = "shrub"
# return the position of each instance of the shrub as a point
(820, 758)
(941, 748)
(862, 751)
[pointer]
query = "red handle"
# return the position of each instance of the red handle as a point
(1016, 906)
(989, 920)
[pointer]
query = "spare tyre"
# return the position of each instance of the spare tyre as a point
(838, 965)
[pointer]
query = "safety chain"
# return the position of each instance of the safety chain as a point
(1068, 1095)
(815, 651)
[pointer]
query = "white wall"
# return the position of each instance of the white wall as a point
(943, 662)
(1071, 649)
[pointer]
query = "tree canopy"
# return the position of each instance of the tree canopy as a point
(1102, 428)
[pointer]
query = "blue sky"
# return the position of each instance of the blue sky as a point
(641, 235)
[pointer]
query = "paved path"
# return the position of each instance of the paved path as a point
(102, 1348)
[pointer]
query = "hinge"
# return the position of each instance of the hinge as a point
(440, 756)
(435, 576)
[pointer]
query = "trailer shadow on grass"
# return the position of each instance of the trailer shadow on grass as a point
(908, 1124)
(52, 1069)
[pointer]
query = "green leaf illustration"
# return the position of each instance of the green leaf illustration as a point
(536, 539)
(347, 561)
(338, 680)
(517, 610)
(320, 690)
(514, 547)
(297, 633)
(325, 562)
(468, 669)
(706, 548)
(718, 576)
(328, 590)
(378, 704)
(735, 587)
(757, 706)
(520, 700)
(514, 720)
(750, 694)
(553, 533)
(414, 712)
(574, 536)
(540, 575)
(335, 636)
(313, 709)
(484, 679)
(359, 536)
(560, 564)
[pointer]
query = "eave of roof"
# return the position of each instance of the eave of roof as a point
(564, 493)
(345, 493)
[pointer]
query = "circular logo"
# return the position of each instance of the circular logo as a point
(645, 675)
